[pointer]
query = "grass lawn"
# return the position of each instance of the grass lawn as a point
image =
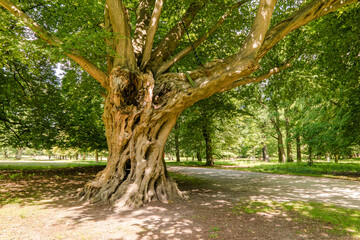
(347, 168)
(339, 220)
(34, 164)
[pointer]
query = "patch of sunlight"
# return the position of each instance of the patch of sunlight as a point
(342, 220)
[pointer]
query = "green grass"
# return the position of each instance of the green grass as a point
(348, 168)
(341, 220)
(34, 165)
(180, 178)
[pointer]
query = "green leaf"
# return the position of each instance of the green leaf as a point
(190, 79)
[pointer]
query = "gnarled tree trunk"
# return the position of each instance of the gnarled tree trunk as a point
(136, 135)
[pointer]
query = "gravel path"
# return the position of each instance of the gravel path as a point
(263, 186)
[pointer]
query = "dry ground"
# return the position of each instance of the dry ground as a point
(43, 205)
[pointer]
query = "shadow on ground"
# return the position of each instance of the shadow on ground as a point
(43, 204)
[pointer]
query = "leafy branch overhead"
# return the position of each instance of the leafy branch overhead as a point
(143, 51)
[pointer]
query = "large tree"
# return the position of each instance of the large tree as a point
(143, 98)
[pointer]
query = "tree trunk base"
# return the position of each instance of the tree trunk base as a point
(131, 194)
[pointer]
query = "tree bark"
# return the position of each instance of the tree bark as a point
(19, 153)
(96, 156)
(298, 148)
(136, 134)
(177, 147)
(265, 153)
(198, 155)
(208, 147)
(5, 154)
(281, 151)
(289, 157)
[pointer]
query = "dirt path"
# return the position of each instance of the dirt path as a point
(42, 205)
(264, 186)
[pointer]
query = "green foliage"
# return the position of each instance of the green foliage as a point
(319, 94)
(29, 91)
(81, 117)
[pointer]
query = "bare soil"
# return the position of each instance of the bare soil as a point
(44, 205)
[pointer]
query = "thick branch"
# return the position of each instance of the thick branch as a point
(259, 28)
(304, 15)
(121, 28)
(199, 41)
(223, 73)
(95, 72)
(143, 15)
(151, 32)
(109, 42)
(172, 39)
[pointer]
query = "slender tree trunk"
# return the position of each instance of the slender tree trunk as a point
(177, 147)
(5, 154)
(19, 153)
(298, 148)
(96, 156)
(281, 151)
(289, 157)
(208, 147)
(336, 158)
(136, 135)
(265, 153)
(198, 155)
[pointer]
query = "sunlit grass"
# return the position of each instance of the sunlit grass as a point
(33, 165)
(351, 170)
(347, 169)
(342, 220)
(180, 178)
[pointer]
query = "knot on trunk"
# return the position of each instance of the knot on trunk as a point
(125, 87)
(130, 90)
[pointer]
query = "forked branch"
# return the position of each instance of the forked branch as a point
(120, 25)
(200, 40)
(172, 38)
(143, 15)
(258, 30)
(95, 72)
